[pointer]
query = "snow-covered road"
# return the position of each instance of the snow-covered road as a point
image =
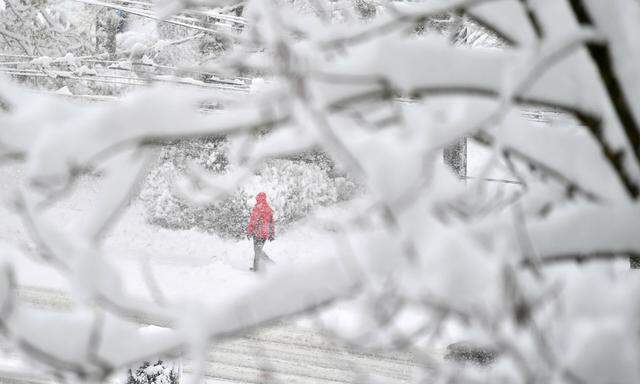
(294, 355)
(286, 352)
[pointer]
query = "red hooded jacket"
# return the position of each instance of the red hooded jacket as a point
(261, 220)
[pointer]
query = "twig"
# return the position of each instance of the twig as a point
(133, 11)
(533, 19)
(18, 39)
(152, 283)
(96, 337)
(486, 24)
(400, 19)
(486, 139)
(527, 249)
(494, 180)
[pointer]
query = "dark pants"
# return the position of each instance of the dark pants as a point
(258, 252)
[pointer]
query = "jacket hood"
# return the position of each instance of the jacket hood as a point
(261, 198)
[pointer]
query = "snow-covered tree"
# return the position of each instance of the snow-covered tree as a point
(531, 276)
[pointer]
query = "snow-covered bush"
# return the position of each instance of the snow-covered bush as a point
(227, 217)
(165, 207)
(153, 373)
(295, 187)
(365, 8)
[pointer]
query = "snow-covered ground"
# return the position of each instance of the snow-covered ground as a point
(188, 263)
(192, 264)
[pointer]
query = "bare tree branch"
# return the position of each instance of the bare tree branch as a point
(581, 258)
(533, 19)
(571, 185)
(602, 58)
(399, 20)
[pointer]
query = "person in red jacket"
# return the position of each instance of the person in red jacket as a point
(261, 228)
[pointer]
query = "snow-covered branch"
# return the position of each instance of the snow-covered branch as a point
(420, 252)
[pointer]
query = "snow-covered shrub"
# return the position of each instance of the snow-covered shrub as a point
(165, 207)
(346, 186)
(295, 188)
(227, 217)
(162, 206)
(156, 373)
(365, 8)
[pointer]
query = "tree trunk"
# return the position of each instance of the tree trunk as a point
(107, 22)
(455, 155)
